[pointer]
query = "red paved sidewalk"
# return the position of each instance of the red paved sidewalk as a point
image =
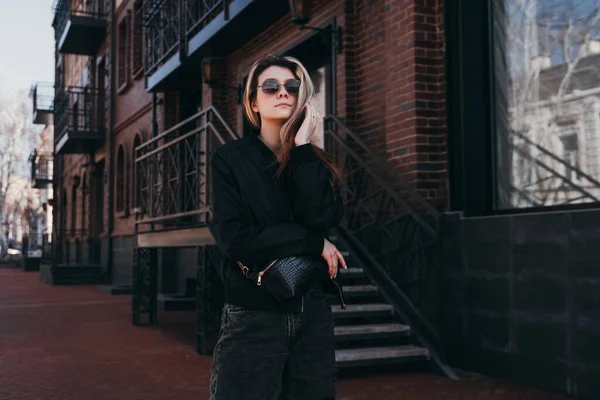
(63, 343)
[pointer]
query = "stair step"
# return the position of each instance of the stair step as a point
(362, 310)
(360, 289)
(371, 331)
(379, 355)
(351, 271)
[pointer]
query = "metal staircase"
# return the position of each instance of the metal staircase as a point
(369, 331)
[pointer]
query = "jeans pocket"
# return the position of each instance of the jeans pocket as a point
(234, 309)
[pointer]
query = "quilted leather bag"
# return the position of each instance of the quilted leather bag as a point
(289, 276)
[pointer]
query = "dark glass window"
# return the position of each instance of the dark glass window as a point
(547, 102)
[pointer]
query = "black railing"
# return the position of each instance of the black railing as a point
(394, 222)
(393, 232)
(78, 109)
(42, 94)
(65, 9)
(198, 13)
(42, 166)
(71, 246)
(174, 171)
(550, 180)
(162, 21)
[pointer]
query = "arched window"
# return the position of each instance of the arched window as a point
(120, 192)
(135, 183)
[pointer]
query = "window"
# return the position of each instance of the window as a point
(138, 37)
(122, 55)
(120, 192)
(546, 91)
(135, 183)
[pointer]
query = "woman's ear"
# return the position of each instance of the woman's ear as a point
(254, 107)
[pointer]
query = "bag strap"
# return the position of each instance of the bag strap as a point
(246, 270)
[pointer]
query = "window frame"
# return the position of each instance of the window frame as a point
(471, 110)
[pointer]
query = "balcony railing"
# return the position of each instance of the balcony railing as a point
(79, 25)
(173, 171)
(162, 22)
(198, 13)
(42, 167)
(78, 120)
(42, 95)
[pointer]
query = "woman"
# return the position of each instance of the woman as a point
(275, 195)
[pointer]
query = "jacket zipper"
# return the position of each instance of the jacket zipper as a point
(261, 273)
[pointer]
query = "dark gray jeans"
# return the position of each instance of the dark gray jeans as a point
(264, 355)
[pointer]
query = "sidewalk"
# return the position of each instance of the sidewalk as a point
(75, 343)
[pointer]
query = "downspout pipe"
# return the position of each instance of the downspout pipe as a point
(109, 155)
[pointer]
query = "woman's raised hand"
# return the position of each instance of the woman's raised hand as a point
(308, 127)
(332, 255)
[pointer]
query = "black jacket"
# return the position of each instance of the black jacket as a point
(258, 217)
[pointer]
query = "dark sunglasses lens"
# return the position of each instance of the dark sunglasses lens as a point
(270, 86)
(292, 86)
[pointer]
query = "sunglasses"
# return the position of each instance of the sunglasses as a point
(271, 86)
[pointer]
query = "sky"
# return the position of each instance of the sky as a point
(26, 43)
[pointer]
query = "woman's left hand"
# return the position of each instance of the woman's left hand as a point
(308, 127)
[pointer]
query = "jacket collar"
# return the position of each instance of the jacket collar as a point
(266, 154)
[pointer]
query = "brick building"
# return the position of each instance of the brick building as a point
(421, 105)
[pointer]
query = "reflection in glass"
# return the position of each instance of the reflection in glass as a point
(547, 93)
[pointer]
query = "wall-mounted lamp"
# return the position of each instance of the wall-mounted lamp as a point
(209, 70)
(209, 66)
(301, 9)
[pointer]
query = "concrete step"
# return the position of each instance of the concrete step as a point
(351, 271)
(360, 290)
(379, 355)
(370, 331)
(362, 310)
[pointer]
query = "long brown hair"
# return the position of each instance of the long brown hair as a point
(289, 129)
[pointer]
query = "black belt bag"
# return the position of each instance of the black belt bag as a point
(292, 276)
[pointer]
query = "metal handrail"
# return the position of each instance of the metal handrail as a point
(162, 21)
(42, 94)
(42, 166)
(197, 15)
(88, 116)
(554, 157)
(391, 173)
(173, 170)
(63, 9)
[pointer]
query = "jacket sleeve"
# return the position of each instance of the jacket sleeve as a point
(317, 201)
(240, 239)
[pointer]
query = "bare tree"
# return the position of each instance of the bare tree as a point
(18, 138)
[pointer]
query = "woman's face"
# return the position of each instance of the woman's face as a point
(279, 103)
